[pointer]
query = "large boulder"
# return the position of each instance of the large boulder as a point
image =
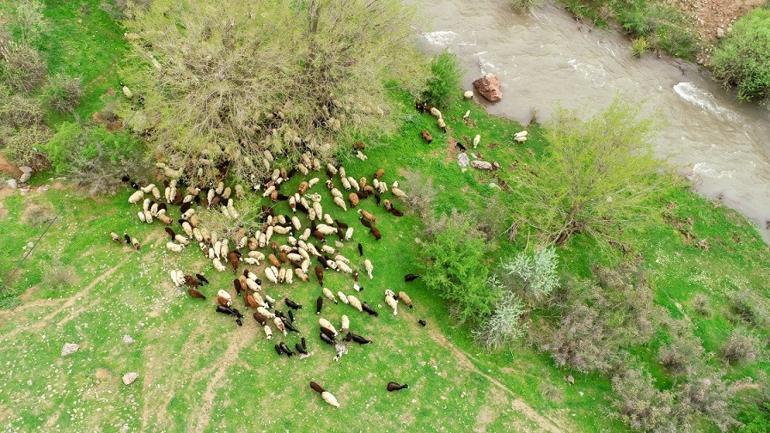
(69, 348)
(489, 87)
(130, 377)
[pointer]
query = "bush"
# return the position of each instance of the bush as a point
(710, 396)
(286, 76)
(23, 147)
(21, 67)
(641, 405)
(740, 347)
(682, 355)
(456, 270)
(596, 179)
(94, 157)
(59, 277)
(63, 93)
(38, 214)
(742, 59)
(639, 46)
(505, 325)
(750, 308)
(18, 111)
(29, 21)
(444, 84)
(421, 195)
(535, 273)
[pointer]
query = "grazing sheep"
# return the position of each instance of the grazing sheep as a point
(476, 141)
(325, 395)
(300, 274)
(326, 339)
(325, 229)
(342, 297)
(395, 386)
(355, 303)
(115, 237)
(357, 338)
(218, 265)
(348, 233)
(367, 216)
(250, 300)
(280, 325)
(403, 297)
(398, 193)
(369, 268)
(165, 219)
(136, 196)
(520, 136)
(291, 304)
(195, 293)
(369, 310)
(345, 324)
(392, 303)
(329, 295)
(325, 324)
(268, 331)
(319, 304)
(375, 232)
(319, 273)
(271, 275)
(353, 199)
(435, 112)
(176, 248)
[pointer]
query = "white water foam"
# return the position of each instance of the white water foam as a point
(595, 74)
(441, 38)
(703, 99)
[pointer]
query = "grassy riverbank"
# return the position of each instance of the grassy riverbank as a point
(199, 372)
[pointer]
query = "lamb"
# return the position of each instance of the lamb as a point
(391, 301)
(268, 331)
(115, 238)
(355, 303)
(476, 141)
(325, 395)
(369, 268)
(341, 203)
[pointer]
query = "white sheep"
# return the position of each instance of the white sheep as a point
(398, 193)
(312, 182)
(280, 326)
(176, 248)
(435, 112)
(329, 295)
(345, 182)
(182, 239)
(341, 203)
(344, 267)
(271, 275)
(330, 399)
(327, 325)
(345, 324)
(369, 268)
(295, 222)
(342, 297)
(326, 230)
(263, 311)
(218, 265)
(136, 196)
(476, 141)
(268, 332)
(392, 303)
(355, 303)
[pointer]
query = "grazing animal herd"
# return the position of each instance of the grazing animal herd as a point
(311, 237)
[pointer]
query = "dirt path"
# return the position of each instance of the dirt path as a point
(71, 302)
(518, 404)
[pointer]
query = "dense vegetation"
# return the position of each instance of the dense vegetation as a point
(222, 83)
(579, 259)
(653, 24)
(742, 59)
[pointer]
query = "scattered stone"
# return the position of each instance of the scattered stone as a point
(25, 177)
(570, 380)
(127, 339)
(482, 165)
(720, 32)
(129, 378)
(468, 94)
(11, 183)
(25, 169)
(489, 87)
(69, 348)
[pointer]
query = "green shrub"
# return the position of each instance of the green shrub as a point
(444, 84)
(63, 93)
(457, 272)
(742, 59)
(17, 111)
(740, 347)
(505, 324)
(535, 274)
(639, 46)
(24, 146)
(29, 22)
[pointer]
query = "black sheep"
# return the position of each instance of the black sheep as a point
(298, 347)
(357, 338)
(278, 350)
(201, 279)
(170, 232)
(285, 349)
(319, 304)
(327, 332)
(360, 249)
(410, 277)
(291, 304)
(326, 339)
(395, 386)
(304, 343)
(422, 322)
(369, 309)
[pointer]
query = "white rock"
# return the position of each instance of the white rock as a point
(468, 94)
(11, 183)
(127, 339)
(69, 349)
(129, 378)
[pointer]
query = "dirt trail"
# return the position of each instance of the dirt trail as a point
(518, 404)
(48, 319)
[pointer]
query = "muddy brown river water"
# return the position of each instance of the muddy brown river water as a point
(547, 58)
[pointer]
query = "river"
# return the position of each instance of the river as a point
(547, 58)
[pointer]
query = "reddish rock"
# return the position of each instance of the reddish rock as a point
(489, 87)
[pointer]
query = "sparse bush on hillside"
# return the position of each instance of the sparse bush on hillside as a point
(222, 82)
(59, 277)
(742, 59)
(17, 111)
(456, 269)
(641, 405)
(63, 93)
(534, 273)
(740, 347)
(443, 85)
(505, 324)
(708, 395)
(701, 304)
(29, 21)
(682, 355)
(22, 68)
(24, 146)
(36, 214)
(421, 195)
(750, 308)
(597, 177)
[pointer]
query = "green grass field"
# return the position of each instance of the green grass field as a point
(199, 372)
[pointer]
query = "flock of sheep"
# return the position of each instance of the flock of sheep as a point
(319, 239)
